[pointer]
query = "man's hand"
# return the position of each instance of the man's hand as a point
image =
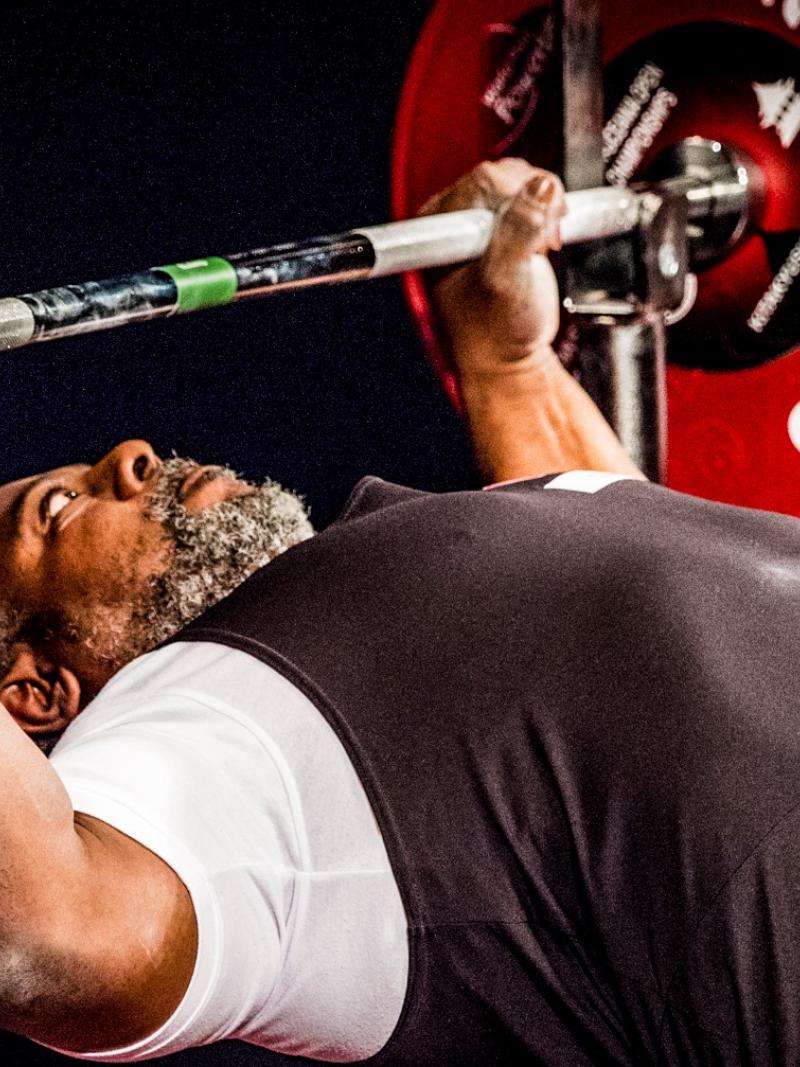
(502, 311)
(527, 414)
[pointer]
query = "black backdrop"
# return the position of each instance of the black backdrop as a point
(139, 133)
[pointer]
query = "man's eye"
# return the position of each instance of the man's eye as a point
(56, 500)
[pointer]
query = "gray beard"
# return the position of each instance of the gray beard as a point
(211, 551)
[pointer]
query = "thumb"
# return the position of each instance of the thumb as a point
(529, 223)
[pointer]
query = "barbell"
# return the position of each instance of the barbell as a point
(697, 145)
(368, 252)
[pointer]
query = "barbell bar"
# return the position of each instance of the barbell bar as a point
(367, 252)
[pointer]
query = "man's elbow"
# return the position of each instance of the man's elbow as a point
(32, 985)
(51, 992)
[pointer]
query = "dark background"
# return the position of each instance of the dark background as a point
(142, 133)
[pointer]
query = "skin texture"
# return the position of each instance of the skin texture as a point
(106, 960)
(79, 542)
(528, 416)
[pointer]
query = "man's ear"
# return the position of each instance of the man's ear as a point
(41, 696)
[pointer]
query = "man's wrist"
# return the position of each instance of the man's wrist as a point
(531, 418)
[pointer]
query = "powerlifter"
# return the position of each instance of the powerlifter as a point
(478, 778)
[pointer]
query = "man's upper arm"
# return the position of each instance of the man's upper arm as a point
(110, 955)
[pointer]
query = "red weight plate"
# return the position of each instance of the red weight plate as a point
(479, 87)
(732, 84)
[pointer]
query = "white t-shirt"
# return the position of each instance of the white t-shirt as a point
(225, 770)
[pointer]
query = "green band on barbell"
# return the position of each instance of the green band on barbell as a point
(202, 283)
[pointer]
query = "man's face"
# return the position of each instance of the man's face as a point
(92, 559)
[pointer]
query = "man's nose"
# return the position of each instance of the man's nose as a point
(125, 470)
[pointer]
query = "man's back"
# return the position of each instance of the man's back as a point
(575, 716)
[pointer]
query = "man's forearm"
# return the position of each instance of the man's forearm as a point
(498, 319)
(532, 418)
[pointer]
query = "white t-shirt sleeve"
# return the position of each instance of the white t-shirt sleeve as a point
(176, 773)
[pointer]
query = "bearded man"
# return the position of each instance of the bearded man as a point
(480, 778)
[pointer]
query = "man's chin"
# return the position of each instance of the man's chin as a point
(209, 488)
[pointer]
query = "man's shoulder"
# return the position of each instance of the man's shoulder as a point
(372, 494)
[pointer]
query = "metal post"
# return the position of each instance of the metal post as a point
(622, 367)
(621, 363)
